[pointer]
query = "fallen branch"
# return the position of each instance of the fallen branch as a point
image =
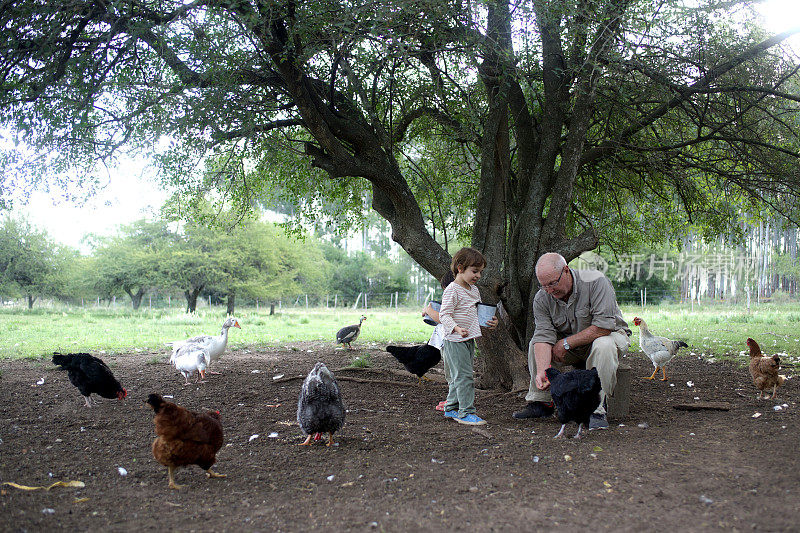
(700, 406)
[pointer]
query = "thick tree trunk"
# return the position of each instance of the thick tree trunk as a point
(502, 363)
(191, 298)
(31, 299)
(231, 303)
(136, 298)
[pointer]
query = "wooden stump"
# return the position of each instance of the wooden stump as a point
(617, 406)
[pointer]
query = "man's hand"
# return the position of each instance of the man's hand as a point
(492, 322)
(542, 382)
(559, 353)
(460, 331)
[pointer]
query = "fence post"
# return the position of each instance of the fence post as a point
(335, 300)
(306, 301)
(365, 300)
(396, 300)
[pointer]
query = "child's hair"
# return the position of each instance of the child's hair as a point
(447, 279)
(465, 258)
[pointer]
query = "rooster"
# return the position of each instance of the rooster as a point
(185, 437)
(764, 370)
(660, 350)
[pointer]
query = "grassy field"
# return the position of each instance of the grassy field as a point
(711, 331)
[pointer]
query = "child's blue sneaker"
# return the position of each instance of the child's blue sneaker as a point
(451, 414)
(471, 420)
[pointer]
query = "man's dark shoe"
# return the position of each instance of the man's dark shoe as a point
(535, 410)
(598, 421)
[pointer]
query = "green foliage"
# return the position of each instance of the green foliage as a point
(132, 261)
(31, 264)
(362, 361)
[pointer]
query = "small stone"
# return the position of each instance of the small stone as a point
(643, 425)
(122, 471)
(568, 458)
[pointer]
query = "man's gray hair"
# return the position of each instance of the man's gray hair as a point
(550, 261)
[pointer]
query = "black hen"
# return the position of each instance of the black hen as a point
(91, 375)
(320, 408)
(576, 395)
(417, 359)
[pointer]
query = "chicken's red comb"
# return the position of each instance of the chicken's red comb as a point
(217, 411)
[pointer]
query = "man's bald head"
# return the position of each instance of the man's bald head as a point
(550, 263)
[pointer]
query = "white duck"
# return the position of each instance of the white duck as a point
(214, 345)
(192, 359)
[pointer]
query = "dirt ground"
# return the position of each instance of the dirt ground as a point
(398, 465)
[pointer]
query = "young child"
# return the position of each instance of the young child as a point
(459, 316)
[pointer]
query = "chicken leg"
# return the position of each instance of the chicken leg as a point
(307, 442)
(561, 432)
(170, 474)
(88, 401)
(654, 374)
(210, 473)
(664, 372)
(423, 378)
(330, 439)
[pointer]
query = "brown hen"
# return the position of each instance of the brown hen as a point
(185, 437)
(764, 370)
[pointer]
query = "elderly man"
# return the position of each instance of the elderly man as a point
(578, 322)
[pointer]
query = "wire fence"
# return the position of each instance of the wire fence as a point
(368, 300)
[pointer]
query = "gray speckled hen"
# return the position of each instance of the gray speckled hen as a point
(320, 408)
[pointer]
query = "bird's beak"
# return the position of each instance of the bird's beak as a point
(236, 325)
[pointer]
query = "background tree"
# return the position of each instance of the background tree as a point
(566, 123)
(130, 261)
(31, 264)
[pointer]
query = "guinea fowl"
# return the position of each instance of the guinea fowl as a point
(90, 375)
(214, 345)
(576, 395)
(348, 334)
(320, 408)
(660, 350)
(764, 370)
(416, 359)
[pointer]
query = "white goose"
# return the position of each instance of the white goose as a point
(191, 359)
(213, 345)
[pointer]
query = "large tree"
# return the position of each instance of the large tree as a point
(558, 124)
(131, 260)
(30, 262)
